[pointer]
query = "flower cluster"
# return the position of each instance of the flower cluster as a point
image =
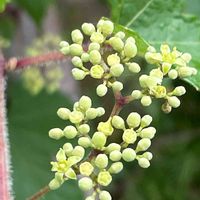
(104, 58)
(47, 77)
(105, 67)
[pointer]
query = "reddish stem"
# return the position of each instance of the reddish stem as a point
(40, 59)
(39, 194)
(4, 147)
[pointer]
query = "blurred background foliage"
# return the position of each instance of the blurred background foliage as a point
(175, 170)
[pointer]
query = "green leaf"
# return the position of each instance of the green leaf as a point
(162, 21)
(2, 5)
(36, 9)
(30, 118)
(140, 42)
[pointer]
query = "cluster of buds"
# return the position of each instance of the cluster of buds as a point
(100, 65)
(97, 168)
(104, 58)
(47, 77)
(169, 65)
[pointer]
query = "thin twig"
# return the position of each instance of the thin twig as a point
(35, 60)
(39, 194)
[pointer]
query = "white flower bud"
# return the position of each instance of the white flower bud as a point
(105, 127)
(115, 168)
(117, 86)
(85, 184)
(147, 155)
(86, 168)
(84, 142)
(70, 132)
(91, 113)
(128, 154)
(78, 74)
(136, 94)
(101, 90)
(148, 132)
(56, 133)
(77, 36)
(151, 49)
(97, 37)
(130, 39)
(116, 43)
(65, 50)
(133, 120)
(130, 49)
(88, 28)
(113, 147)
(85, 103)
(85, 57)
(117, 70)
(76, 117)
(118, 122)
(143, 162)
(64, 44)
(100, 24)
(143, 144)
(173, 74)
(96, 71)
(186, 57)
(146, 121)
(99, 140)
(68, 148)
(173, 101)
(90, 198)
(113, 59)
(156, 73)
(185, 72)
(179, 91)
(77, 62)
(100, 111)
(104, 195)
(95, 57)
(129, 136)
(54, 184)
(76, 49)
(143, 81)
(94, 46)
(104, 178)
(133, 67)
(101, 161)
(107, 27)
(146, 100)
(115, 155)
(84, 129)
(78, 151)
(120, 35)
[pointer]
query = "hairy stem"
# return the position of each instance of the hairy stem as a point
(35, 60)
(39, 194)
(5, 178)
